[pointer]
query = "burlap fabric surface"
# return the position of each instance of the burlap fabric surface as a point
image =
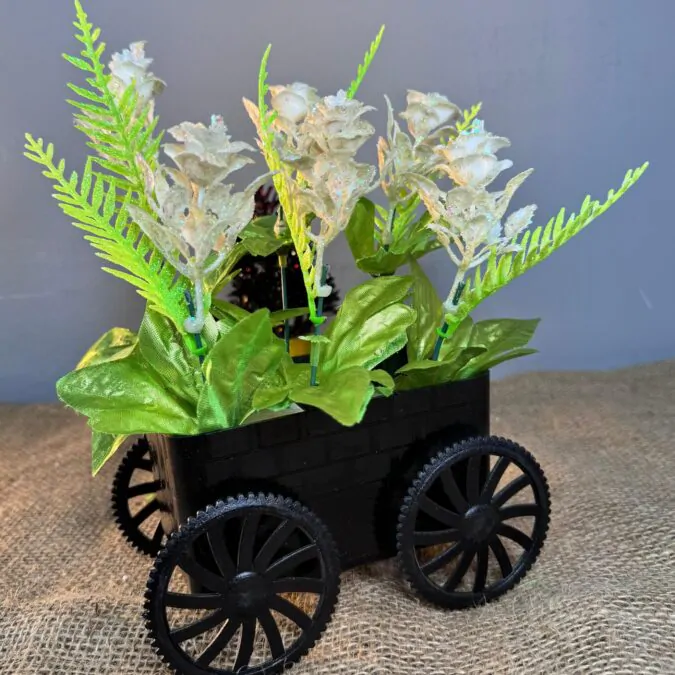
(601, 598)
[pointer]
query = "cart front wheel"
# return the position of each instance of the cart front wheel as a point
(135, 506)
(246, 586)
(473, 522)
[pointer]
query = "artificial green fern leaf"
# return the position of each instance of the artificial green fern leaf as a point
(266, 116)
(93, 207)
(118, 132)
(534, 247)
(363, 67)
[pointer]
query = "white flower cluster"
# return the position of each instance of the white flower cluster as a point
(197, 218)
(429, 117)
(319, 138)
(131, 66)
(467, 219)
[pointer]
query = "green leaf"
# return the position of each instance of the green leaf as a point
(164, 351)
(384, 382)
(117, 343)
(92, 206)
(422, 334)
(427, 373)
(360, 231)
(485, 363)
(278, 317)
(244, 359)
(103, 447)
(259, 239)
(125, 397)
(502, 339)
(228, 312)
(460, 338)
(370, 325)
(344, 395)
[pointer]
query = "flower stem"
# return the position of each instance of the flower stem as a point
(458, 288)
(197, 337)
(315, 349)
(283, 263)
(388, 233)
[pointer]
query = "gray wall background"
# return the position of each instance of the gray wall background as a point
(584, 89)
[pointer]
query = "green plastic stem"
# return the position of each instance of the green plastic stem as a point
(283, 263)
(198, 338)
(315, 349)
(442, 331)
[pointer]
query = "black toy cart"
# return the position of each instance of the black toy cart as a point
(263, 518)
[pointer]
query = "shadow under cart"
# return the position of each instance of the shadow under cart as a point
(251, 527)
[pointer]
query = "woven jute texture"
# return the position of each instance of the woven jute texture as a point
(600, 599)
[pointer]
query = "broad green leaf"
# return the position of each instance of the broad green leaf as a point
(344, 395)
(498, 336)
(460, 338)
(282, 315)
(242, 361)
(163, 350)
(360, 231)
(259, 239)
(275, 391)
(386, 262)
(382, 263)
(126, 396)
(422, 334)
(427, 373)
(117, 343)
(384, 382)
(482, 363)
(370, 325)
(103, 447)
(228, 312)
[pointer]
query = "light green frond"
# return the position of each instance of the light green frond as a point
(363, 67)
(535, 246)
(117, 130)
(93, 204)
(266, 116)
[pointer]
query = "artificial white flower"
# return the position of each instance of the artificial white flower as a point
(334, 126)
(425, 113)
(206, 154)
(333, 188)
(292, 102)
(467, 222)
(131, 67)
(397, 157)
(195, 219)
(470, 160)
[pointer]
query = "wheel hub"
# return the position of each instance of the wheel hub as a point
(250, 592)
(480, 522)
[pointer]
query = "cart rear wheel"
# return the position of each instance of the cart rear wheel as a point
(246, 586)
(135, 506)
(473, 522)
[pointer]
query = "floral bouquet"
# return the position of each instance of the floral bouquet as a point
(164, 215)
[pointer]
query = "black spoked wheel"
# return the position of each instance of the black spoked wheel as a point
(473, 522)
(247, 586)
(134, 502)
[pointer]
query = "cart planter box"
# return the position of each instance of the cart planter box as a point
(264, 517)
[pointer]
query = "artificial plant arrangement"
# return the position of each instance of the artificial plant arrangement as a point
(173, 225)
